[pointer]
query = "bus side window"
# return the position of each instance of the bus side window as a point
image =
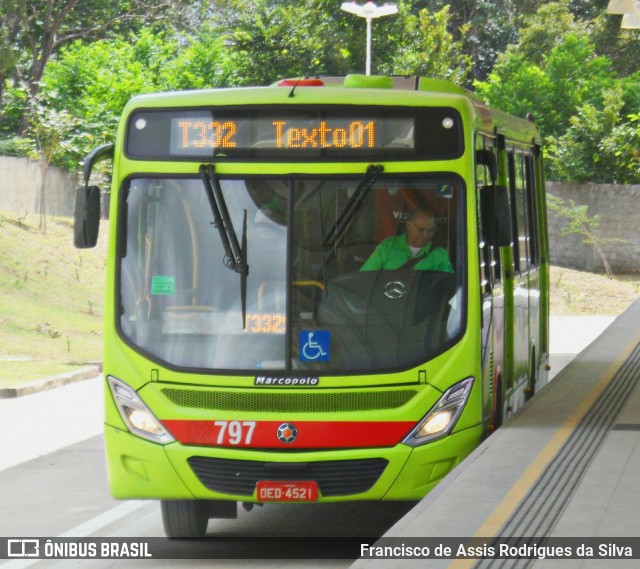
(489, 256)
(534, 237)
(519, 209)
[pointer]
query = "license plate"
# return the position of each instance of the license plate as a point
(276, 491)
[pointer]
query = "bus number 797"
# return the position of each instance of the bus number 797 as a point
(235, 432)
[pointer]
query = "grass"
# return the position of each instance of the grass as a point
(51, 298)
(579, 293)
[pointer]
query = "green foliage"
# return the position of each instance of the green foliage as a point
(53, 135)
(598, 146)
(268, 40)
(94, 81)
(199, 63)
(620, 46)
(569, 76)
(11, 146)
(489, 26)
(545, 30)
(13, 105)
(621, 147)
(33, 31)
(568, 63)
(108, 73)
(577, 221)
(429, 49)
(584, 108)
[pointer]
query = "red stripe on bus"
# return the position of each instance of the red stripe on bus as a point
(303, 435)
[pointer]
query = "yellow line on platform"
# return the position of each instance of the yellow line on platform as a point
(505, 509)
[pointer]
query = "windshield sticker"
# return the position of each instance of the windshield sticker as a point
(445, 191)
(315, 346)
(163, 286)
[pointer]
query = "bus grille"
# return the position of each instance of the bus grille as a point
(289, 402)
(334, 478)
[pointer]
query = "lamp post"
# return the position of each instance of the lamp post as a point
(631, 21)
(369, 11)
(623, 7)
(630, 10)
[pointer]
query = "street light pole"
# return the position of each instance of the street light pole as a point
(631, 21)
(623, 7)
(630, 10)
(368, 63)
(369, 11)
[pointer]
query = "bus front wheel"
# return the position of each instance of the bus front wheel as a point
(184, 518)
(189, 518)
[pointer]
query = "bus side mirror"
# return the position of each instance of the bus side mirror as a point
(496, 216)
(87, 212)
(86, 217)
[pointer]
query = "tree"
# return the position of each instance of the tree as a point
(51, 134)
(429, 49)
(484, 27)
(584, 109)
(33, 30)
(545, 29)
(198, 62)
(620, 46)
(12, 15)
(599, 145)
(568, 76)
(577, 221)
(93, 82)
(267, 40)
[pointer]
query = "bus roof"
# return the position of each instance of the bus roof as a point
(350, 90)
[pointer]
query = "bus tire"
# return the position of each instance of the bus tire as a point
(184, 518)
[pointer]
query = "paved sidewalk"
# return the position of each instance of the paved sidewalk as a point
(37, 424)
(569, 335)
(566, 465)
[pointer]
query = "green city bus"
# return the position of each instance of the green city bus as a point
(253, 350)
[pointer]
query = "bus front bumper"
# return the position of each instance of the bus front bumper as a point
(140, 469)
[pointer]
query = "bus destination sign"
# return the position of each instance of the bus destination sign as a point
(266, 133)
(189, 134)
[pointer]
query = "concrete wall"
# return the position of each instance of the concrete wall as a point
(618, 208)
(20, 181)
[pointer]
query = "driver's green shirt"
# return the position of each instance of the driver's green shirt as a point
(394, 252)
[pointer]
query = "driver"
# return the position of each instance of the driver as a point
(412, 249)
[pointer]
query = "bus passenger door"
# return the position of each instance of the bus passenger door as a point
(510, 281)
(491, 291)
(536, 302)
(526, 286)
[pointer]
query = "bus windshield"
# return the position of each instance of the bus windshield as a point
(345, 273)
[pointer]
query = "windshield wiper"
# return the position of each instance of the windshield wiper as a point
(235, 255)
(348, 213)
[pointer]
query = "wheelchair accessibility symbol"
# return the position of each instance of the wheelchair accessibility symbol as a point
(315, 346)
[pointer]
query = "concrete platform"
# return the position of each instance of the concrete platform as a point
(567, 465)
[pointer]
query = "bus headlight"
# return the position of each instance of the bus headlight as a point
(443, 415)
(137, 416)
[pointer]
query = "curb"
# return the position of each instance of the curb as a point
(89, 372)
